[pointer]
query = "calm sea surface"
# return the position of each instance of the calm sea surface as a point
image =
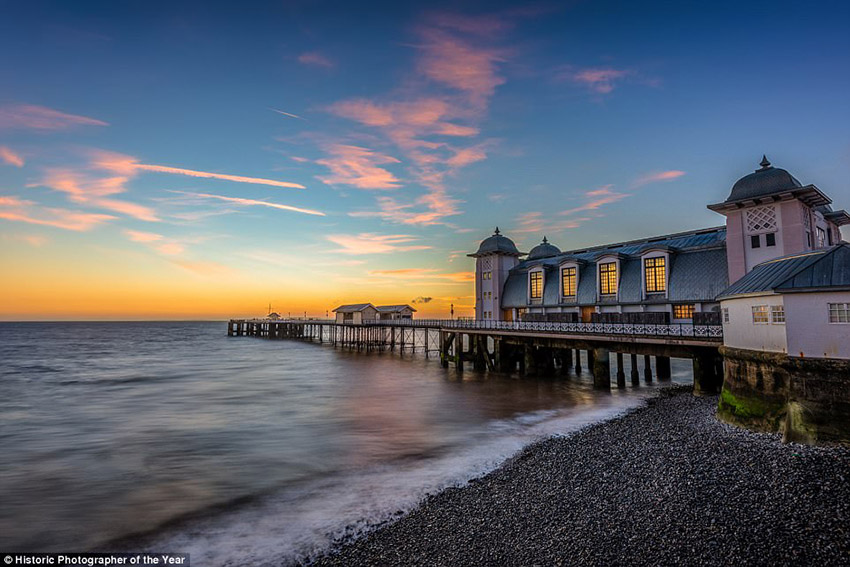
(174, 437)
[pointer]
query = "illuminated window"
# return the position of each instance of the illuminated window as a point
(655, 273)
(683, 311)
(777, 314)
(608, 278)
(839, 312)
(536, 285)
(760, 314)
(568, 282)
(725, 314)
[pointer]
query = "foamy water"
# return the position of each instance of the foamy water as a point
(246, 451)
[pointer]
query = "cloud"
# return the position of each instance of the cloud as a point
(600, 80)
(33, 117)
(127, 165)
(358, 167)
(659, 176)
(252, 203)
(202, 268)
(425, 274)
(82, 187)
(315, 59)
(10, 157)
(15, 209)
(596, 199)
(286, 114)
(156, 242)
(454, 61)
(368, 243)
(456, 72)
(34, 240)
(538, 223)
(421, 299)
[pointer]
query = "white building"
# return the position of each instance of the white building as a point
(797, 305)
(356, 314)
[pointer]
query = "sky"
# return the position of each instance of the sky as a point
(196, 160)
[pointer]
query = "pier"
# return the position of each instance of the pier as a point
(531, 348)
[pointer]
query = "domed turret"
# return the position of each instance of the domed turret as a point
(543, 250)
(497, 243)
(767, 180)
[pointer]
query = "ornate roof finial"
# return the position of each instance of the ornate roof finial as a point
(545, 241)
(497, 232)
(764, 163)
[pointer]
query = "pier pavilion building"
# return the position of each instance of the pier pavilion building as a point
(660, 279)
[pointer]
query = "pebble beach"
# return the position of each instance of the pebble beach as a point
(666, 484)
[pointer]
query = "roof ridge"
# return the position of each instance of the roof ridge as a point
(646, 239)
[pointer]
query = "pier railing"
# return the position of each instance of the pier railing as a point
(671, 330)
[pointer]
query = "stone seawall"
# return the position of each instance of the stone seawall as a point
(807, 399)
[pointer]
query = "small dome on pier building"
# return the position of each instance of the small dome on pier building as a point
(544, 250)
(496, 244)
(766, 180)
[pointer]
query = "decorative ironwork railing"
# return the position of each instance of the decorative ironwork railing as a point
(683, 330)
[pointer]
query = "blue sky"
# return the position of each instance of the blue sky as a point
(310, 153)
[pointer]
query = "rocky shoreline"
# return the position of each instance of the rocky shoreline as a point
(667, 484)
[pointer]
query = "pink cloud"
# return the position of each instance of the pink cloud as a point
(358, 167)
(30, 116)
(88, 189)
(202, 268)
(457, 59)
(596, 199)
(34, 240)
(127, 165)
(659, 176)
(315, 59)
(15, 209)
(10, 157)
(425, 274)
(458, 63)
(368, 243)
(156, 242)
(252, 203)
(144, 237)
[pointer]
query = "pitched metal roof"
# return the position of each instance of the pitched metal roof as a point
(353, 307)
(819, 269)
(393, 308)
(697, 271)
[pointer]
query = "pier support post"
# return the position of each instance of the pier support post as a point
(621, 372)
(706, 379)
(601, 369)
(635, 373)
(529, 362)
(662, 367)
(647, 368)
(578, 361)
(591, 362)
(566, 360)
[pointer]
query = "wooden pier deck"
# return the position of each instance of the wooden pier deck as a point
(532, 348)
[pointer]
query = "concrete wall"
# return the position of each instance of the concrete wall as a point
(808, 400)
(810, 334)
(741, 332)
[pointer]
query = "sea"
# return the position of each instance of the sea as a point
(173, 437)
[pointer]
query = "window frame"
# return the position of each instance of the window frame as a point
(611, 267)
(761, 309)
(726, 318)
(654, 270)
(755, 241)
(770, 239)
(691, 307)
(774, 311)
(532, 275)
(562, 269)
(834, 307)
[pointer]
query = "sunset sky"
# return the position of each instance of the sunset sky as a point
(182, 160)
